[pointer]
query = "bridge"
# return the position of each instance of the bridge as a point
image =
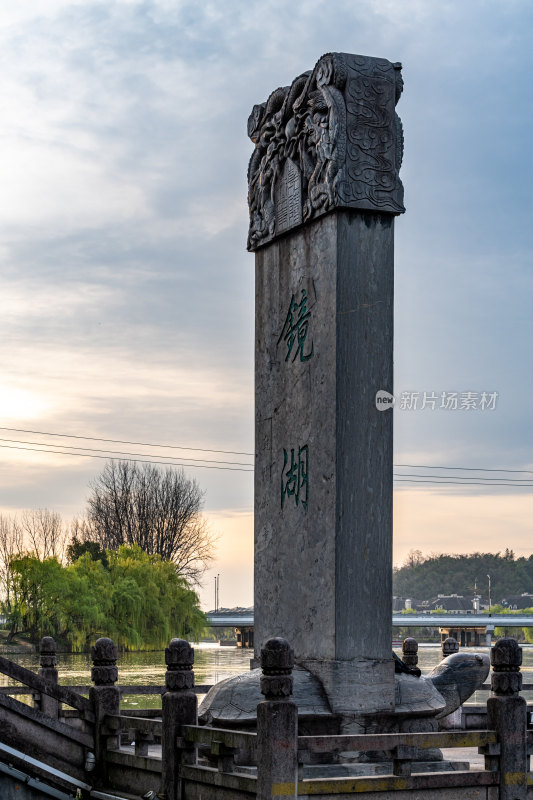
(216, 620)
(468, 629)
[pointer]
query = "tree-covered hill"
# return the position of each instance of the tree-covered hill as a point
(423, 577)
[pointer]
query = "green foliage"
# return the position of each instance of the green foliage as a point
(509, 630)
(424, 577)
(76, 549)
(138, 600)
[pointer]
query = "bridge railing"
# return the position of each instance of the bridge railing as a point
(225, 768)
(38, 732)
(142, 731)
(274, 761)
(45, 686)
(281, 756)
(125, 689)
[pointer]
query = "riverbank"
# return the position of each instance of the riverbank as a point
(17, 645)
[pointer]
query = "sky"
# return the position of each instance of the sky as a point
(128, 294)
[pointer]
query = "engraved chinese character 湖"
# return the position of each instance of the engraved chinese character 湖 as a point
(295, 476)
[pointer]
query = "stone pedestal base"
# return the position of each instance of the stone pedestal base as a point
(356, 687)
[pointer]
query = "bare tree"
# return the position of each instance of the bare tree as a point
(414, 558)
(160, 510)
(81, 530)
(44, 532)
(11, 545)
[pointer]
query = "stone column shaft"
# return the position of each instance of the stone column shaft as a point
(323, 565)
(323, 190)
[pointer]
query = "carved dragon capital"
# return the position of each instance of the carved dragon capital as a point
(330, 140)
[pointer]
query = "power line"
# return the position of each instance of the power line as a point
(122, 441)
(518, 481)
(436, 480)
(226, 452)
(466, 469)
(464, 483)
(121, 453)
(137, 460)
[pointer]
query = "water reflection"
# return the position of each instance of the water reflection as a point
(212, 664)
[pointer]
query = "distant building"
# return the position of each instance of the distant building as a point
(517, 602)
(400, 604)
(453, 604)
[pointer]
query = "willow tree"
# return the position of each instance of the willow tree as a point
(138, 600)
(158, 509)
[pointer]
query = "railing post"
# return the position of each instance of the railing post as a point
(507, 715)
(48, 660)
(410, 652)
(180, 707)
(105, 697)
(277, 724)
(450, 646)
(142, 742)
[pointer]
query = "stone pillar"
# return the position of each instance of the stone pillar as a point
(410, 652)
(105, 697)
(449, 646)
(48, 671)
(277, 724)
(507, 715)
(180, 707)
(323, 192)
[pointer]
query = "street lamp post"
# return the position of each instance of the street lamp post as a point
(491, 630)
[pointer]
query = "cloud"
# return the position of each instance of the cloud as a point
(128, 294)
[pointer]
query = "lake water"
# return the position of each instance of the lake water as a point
(212, 664)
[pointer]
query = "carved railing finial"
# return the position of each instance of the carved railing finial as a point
(506, 660)
(410, 652)
(277, 661)
(179, 658)
(104, 654)
(450, 646)
(47, 652)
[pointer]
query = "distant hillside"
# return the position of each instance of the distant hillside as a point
(423, 577)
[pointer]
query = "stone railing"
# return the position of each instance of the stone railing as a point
(173, 755)
(281, 756)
